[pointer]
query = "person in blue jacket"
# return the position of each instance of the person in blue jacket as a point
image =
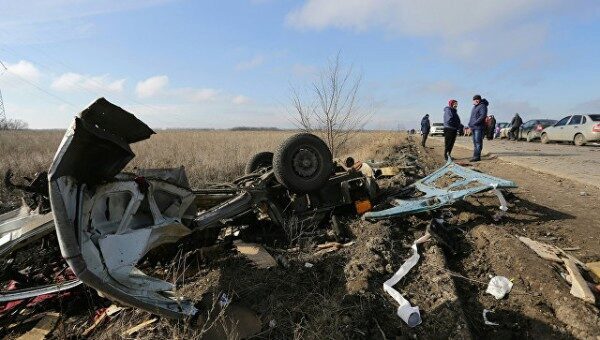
(425, 127)
(451, 126)
(477, 125)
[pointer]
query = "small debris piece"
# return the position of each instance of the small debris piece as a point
(308, 265)
(594, 268)
(545, 251)
(107, 312)
(499, 286)
(406, 311)
(485, 319)
(571, 248)
(390, 171)
(42, 328)
(550, 252)
(579, 287)
(256, 253)
(329, 247)
(139, 327)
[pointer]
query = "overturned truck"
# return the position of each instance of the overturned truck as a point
(108, 220)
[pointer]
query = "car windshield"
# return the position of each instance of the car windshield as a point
(437, 124)
(547, 121)
(595, 118)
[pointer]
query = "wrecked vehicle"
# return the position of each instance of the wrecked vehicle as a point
(108, 220)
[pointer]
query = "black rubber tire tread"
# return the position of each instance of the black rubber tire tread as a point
(283, 167)
(257, 161)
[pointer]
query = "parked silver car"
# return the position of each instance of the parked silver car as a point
(579, 129)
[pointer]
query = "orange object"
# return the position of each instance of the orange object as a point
(363, 206)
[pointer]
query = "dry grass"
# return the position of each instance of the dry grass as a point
(315, 301)
(208, 156)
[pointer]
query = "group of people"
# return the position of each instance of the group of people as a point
(478, 122)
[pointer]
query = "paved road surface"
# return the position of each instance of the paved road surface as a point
(581, 164)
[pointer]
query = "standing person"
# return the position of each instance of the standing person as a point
(425, 127)
(515, 125)
(476, 123)
(490, 128)
(451, 126)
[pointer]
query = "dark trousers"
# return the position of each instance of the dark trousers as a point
(477, 143)
(424, 138)
(449, 139)
(512, 134)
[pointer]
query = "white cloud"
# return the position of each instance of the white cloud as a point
(199, 95)
(250, 64)
(468, 29)
(240, 100)
(151, 86)
(68, 82)
(24, 69)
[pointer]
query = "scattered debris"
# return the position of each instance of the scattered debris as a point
(139, 327)
(42, 328)
(331, 247)
(308, 265)
(433, 195)
(406, 312)
(256, 253)
(579, 287)
(100, 317)
(499, 286)
(485, 319)
(594, 268)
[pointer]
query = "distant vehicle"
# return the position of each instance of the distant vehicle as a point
(504, 131)
(499, 127)
(578, 129)
(437, 129)
(532, 129)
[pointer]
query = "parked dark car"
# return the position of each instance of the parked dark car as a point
(532, 129)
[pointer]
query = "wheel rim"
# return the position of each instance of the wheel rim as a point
(305, 162)
(579, 139)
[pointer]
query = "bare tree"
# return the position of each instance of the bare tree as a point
(13, 124)
(332, 106)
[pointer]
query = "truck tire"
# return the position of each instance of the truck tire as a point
(260, 160)
(303, 163)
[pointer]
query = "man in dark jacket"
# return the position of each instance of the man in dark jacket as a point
(515, 125)
(451, 126)
(425, 127)
(477, 125)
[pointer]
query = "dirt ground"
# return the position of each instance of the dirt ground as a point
(339, 295)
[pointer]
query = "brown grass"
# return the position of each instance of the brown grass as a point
(208, 156)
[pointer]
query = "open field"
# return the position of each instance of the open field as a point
(341, 295)
(208, 156)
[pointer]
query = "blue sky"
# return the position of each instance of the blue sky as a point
(219, 64)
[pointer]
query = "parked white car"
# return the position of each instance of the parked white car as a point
(579, 129)
(437, 129)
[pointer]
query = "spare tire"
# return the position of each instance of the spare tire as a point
(303, 163)
(260, 160)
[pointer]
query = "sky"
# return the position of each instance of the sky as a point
(221, 64)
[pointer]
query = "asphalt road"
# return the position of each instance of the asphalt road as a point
(581, 164)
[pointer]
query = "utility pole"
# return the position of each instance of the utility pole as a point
(2, 111)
